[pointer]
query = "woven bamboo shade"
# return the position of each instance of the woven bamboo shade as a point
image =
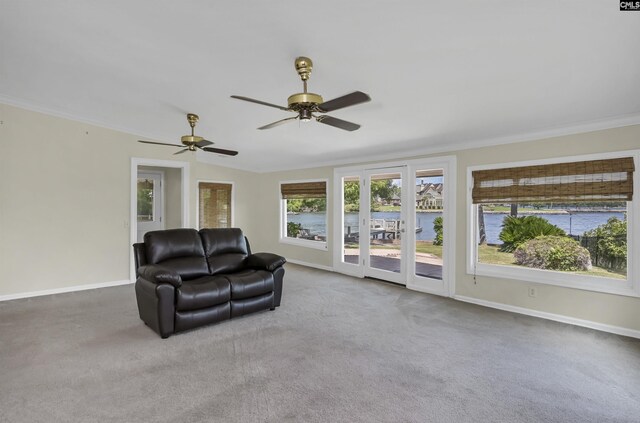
(214, 204)
(304, 190)
(594, 180)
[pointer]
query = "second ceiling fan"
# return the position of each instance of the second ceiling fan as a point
(307, 105)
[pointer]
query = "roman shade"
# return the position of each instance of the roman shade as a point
(214, 204)
(586, 181)
(304, 190)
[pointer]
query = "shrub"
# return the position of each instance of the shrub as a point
(437, 228)
(553, 253)
(518, 230)
(610, 246)
(293, 229)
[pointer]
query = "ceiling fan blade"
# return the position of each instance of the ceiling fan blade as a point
(352, 99)
(260, 102)
(160, 143)
(204, 143)
(220, 151)
(338, 123)
(181, 151)
(278, 122)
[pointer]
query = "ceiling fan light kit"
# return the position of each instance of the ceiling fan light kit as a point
(305, 104)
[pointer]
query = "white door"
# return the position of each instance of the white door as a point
(383, 212)
(150, 203)
(430, 219)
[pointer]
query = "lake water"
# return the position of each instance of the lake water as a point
(575, 223)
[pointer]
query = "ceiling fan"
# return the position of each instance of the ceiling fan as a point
(305, 104)
(193, 142)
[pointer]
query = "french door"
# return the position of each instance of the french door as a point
(383, 240)
(396, 223)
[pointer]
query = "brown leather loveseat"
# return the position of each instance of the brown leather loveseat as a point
(188, 278)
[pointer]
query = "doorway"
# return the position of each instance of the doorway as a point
(159, 198)
(396, 223)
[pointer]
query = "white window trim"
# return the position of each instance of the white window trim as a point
(233, 199)
(318, 245)
(628, 287)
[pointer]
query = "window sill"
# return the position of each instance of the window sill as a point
(317, 245)
(549, 277)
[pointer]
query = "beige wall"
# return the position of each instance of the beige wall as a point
(603, 308)
(65, 200)
(65, 206)
(268, 218)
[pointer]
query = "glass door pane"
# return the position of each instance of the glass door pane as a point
(429, 199)
(351, 220)
(386, 224)
(149, 203)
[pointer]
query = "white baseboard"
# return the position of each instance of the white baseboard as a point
(315, 266)
(618, 330)
(63, 290)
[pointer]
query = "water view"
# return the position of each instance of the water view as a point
(575, 223)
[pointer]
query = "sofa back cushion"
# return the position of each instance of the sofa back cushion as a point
(226, 249)
(178, 249)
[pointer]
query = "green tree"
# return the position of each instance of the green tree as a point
(381, 190)
(611, 243)
(145, 198)
(293, 229)
(352, 196)
(300, 205)
(437, 228)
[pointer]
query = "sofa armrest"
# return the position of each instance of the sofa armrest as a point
(265, 261)
(159, 274)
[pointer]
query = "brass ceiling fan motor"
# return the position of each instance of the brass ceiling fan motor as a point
(305, 104)
(193, 142)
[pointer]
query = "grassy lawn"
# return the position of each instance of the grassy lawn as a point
(490, 255)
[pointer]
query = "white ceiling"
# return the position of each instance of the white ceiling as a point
(441, 74)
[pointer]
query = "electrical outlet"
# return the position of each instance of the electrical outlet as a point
(533, 292)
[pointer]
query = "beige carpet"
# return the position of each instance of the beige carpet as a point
(338, 350)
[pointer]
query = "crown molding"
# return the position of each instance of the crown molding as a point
(449, 147)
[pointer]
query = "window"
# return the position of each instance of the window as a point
(568, 223)
(215, 205)
(304, 213)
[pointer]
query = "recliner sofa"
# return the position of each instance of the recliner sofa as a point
(188, 278)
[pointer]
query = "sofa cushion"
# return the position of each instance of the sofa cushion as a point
(250, 283)
(225, 249)
(178, 249)
(251, 305)
(202, 292)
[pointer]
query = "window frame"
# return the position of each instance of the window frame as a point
(283, 238)
(628, 287)
(232, 202)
